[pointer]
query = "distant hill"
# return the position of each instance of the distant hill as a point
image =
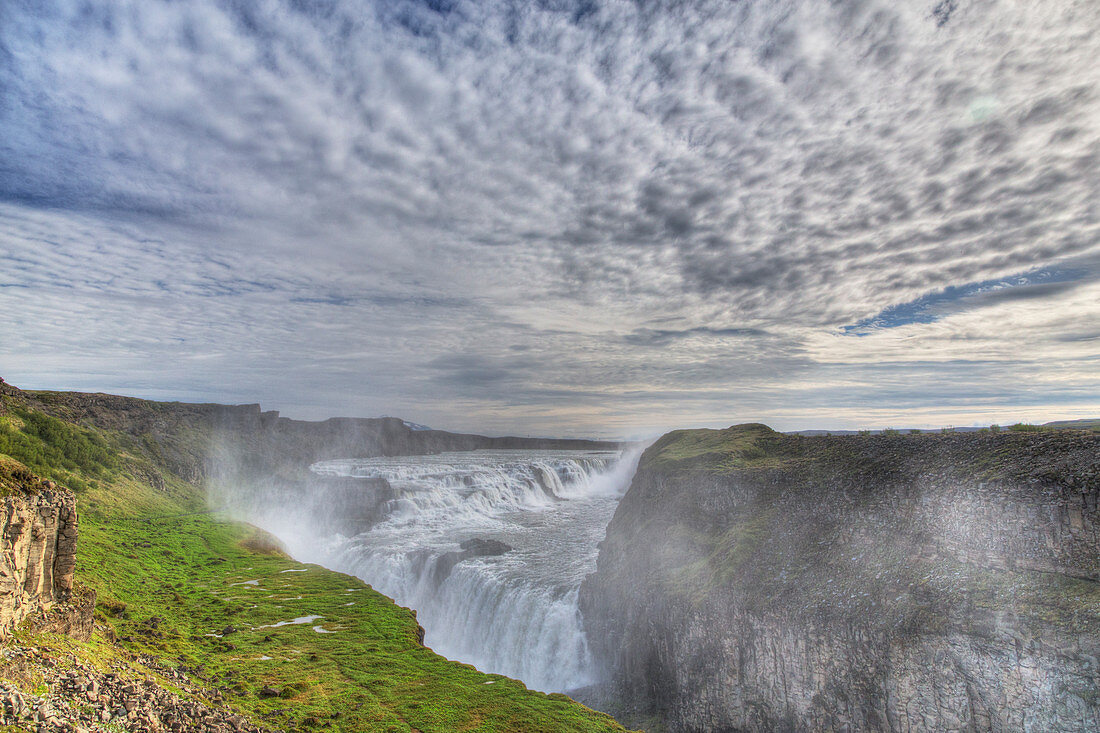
(1088, 423)
(1084, 424)
(966, 429)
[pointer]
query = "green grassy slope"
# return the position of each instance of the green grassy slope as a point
(190, 589)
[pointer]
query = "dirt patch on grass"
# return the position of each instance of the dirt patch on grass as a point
(263, 543)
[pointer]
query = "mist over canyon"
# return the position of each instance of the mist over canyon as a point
(489, 547)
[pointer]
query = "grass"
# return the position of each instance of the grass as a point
(749, 445)
(171, 579)
(175, 585)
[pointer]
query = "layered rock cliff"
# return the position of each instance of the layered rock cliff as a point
(758, 581)
(38, 534)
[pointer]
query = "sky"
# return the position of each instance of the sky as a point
(558, 217)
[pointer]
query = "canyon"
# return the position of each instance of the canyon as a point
(749, 580)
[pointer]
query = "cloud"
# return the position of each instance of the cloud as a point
(660, 337)
(672, 206)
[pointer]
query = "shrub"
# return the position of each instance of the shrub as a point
(55, 448)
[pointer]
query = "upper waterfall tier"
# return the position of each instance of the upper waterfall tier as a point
(480, 484)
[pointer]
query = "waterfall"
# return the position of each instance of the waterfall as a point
(489, 547)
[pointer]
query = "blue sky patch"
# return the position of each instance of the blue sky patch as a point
(930, 308)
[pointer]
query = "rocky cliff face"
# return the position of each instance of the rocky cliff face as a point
(38, 534)
(757, 581)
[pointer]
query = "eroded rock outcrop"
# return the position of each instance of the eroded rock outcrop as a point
(38, 535)
(945, 582)
(442, 565)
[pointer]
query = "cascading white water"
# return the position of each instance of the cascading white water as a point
(513, 613)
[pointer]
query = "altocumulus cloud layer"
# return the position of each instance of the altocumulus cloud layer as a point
(558, 216)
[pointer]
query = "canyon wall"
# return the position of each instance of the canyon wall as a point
(194, 440)
(757, 581)
(38, 535)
